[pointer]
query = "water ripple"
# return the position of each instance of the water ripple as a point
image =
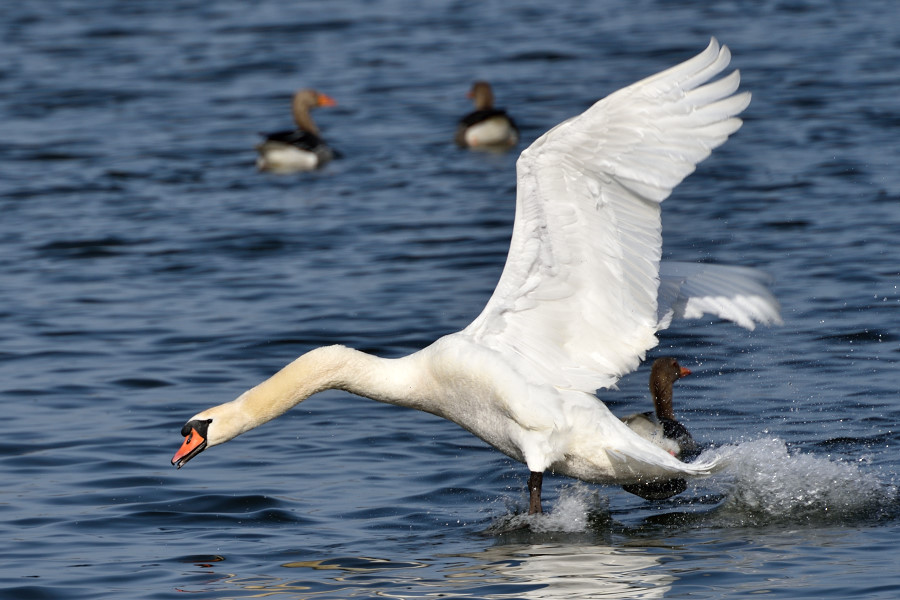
(149, 271)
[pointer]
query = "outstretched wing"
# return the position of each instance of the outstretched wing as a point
(738, 294)
(577, 300)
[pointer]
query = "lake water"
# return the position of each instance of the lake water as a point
(148, 271)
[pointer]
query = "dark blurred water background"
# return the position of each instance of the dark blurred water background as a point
(148, 271)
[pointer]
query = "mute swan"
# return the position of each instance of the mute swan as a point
(486, 127)
(300, 149)
(578, 304)
(660, 427)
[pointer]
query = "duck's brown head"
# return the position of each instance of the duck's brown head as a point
(665, 372)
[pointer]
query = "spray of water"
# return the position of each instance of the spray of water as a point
(762, 483)
(578, 508)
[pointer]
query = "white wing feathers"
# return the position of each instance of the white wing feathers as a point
(738, 294)
(577, 300)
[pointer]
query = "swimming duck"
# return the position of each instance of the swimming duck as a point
(486, 128)
(580, 300)
(662, 429)
(298, 149)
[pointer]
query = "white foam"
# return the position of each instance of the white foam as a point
(762, 477)
(761, 482)
(571, 512)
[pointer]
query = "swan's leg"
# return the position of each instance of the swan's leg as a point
(534, 490)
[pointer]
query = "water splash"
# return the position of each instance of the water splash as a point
(577, 509)
(764, 481)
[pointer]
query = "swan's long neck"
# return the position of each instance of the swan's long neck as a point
(329, 367)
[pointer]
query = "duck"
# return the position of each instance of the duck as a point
(660, 427)
(300, 149)
(486, 128)
(581, 298)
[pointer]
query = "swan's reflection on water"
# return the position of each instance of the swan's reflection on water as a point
(505, 571)
(565, 571)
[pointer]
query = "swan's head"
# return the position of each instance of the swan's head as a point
(209, 428)
(196, 440)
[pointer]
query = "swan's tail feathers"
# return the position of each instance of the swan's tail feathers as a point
(646, 467)
(659, 480)
(737, 294)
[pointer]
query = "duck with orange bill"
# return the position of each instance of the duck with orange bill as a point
(300, 149)
(660, 427)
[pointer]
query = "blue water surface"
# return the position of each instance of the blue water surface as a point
(147, 271)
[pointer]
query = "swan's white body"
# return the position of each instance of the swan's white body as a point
(580, 299)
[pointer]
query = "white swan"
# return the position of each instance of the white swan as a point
(579, 302)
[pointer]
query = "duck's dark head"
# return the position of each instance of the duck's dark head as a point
(665, 372)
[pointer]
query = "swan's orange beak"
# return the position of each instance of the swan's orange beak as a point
(685, 371)
(325, 100)
(194, 442)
